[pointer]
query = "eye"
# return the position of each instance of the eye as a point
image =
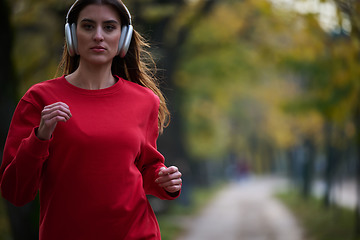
(109, 28)
(87, 26)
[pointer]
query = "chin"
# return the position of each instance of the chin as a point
(99, 60)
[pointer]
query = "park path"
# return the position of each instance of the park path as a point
(245, 211)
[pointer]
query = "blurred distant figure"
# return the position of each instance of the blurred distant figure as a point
(243, 169)
(87, 140)
(238, 169)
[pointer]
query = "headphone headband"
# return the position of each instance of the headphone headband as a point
(125, 8)
(68, 13)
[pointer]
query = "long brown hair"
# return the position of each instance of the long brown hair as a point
(137, 66)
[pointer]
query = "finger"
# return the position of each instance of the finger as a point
(173, 182)
(168, 177)
(50, 124)
(173, 189)
(161, 171)
(168, 170)
(56, 113)
(57, 104)
(53, 107)
(56, 107)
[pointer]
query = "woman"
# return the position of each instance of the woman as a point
(87, 140)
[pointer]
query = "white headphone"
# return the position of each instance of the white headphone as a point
(71, 39)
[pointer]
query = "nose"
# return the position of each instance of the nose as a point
(98, 35)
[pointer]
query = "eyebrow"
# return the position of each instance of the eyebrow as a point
(107, 22)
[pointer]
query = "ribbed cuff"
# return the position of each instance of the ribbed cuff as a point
(37, 147)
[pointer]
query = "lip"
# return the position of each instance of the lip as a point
(98, 48)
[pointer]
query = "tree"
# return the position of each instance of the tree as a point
(233, 87)
(19, 217)
(29, 62)
(350, 10)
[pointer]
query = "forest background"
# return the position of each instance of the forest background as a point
(272, 85)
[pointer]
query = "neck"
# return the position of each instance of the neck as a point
(92, 77)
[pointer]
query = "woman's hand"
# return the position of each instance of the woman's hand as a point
(50, 116)
(169, 179)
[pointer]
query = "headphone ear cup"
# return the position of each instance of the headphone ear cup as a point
(125, 40)
(74, 38)
(69, 41)
(122, 39)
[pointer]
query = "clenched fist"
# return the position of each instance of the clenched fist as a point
(50, 116)
(170, 179)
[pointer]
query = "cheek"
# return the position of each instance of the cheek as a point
(114, 40)
(81, 38)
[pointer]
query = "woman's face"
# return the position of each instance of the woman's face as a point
(98, 33)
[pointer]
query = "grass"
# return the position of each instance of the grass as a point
(169, 221)
(4, 222)
(318, 222)
(169, 230)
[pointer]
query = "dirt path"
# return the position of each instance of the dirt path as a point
(245, 211)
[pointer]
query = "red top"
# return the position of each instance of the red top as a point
(95, 171)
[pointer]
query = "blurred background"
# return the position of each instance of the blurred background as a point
(258, 89)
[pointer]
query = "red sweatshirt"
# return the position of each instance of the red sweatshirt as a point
(95, 171)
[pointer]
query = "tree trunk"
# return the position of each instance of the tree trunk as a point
(357, 209)
(308, 168)
(351, 9)
(23, 220)
(331, 164)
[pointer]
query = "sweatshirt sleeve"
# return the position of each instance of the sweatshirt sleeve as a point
(24, 155)
(151, 160)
